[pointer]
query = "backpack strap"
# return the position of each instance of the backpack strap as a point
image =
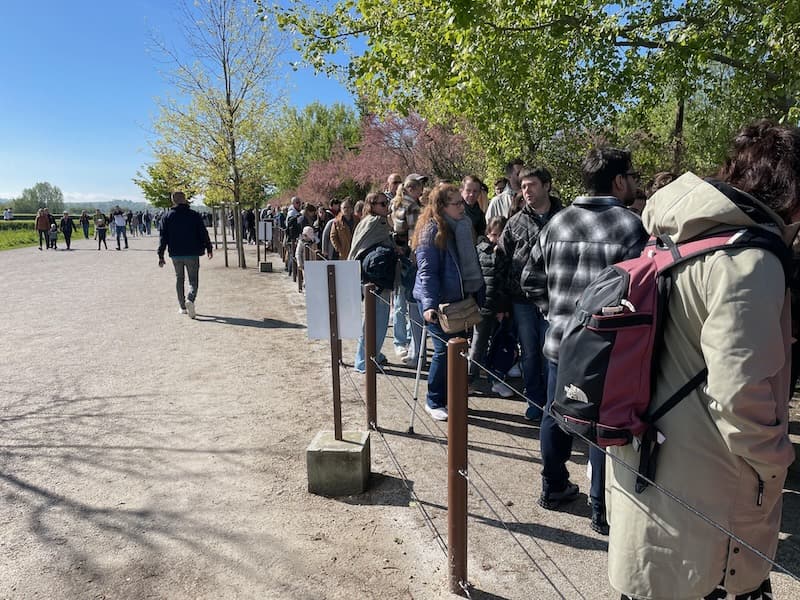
(650, 446)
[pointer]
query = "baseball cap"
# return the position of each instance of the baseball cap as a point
(415, 178)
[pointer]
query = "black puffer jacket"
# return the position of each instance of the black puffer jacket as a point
(494, 269)
(519, 236)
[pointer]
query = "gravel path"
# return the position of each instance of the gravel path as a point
(146, 455)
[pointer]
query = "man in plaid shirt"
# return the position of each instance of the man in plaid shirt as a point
(595, 231)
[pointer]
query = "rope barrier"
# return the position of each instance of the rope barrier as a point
(669, 494)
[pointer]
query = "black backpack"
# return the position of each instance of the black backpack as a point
(378, 266)
(293, 228)
(609, 353)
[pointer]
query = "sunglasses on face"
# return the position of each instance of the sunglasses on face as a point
(382, 203)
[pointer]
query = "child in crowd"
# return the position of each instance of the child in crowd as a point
(496, 307)
(53, 236)
(100, 229)
(308, 239)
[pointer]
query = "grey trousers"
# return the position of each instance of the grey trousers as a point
(192, 266)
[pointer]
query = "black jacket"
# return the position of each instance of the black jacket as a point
(478, 219)
(494, 270)
(184, 233)
(519, 237)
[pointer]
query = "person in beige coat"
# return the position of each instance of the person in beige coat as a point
(727, 450)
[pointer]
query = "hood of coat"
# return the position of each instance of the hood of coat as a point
(690, 206)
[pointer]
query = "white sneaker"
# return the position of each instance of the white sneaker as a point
(515, 371)
(400, 351)
(437, 414)
(181, 311)
(500, 388)
(409, 361)
(190, 309)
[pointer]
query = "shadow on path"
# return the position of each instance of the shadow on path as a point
(263, 324)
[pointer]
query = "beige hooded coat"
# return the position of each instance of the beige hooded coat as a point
(727, 450)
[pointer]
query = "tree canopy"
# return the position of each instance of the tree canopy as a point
(523, 72)
(41, 195)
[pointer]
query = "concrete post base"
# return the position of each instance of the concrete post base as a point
(265, 267)
(338, 468)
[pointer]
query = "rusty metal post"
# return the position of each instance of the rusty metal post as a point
(224, 233)
(214, 221)
(371, 352)
(335, 353)
(456, 463)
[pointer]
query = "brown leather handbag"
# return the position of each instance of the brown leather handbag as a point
(459, 316)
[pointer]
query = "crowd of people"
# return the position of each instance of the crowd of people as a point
(119, 222)
(525, 258)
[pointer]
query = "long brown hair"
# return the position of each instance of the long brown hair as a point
(434, 212)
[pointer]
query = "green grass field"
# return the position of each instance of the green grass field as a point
(17, 238)
(19, 234)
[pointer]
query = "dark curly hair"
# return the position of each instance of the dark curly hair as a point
(764, 161)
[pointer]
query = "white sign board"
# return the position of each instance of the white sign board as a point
(348, 299)
(265, 231)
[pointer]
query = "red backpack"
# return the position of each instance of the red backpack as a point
(610, 348)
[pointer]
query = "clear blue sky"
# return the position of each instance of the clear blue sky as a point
(78, 89)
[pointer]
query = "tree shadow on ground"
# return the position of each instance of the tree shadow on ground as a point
(540, 531)
(265, 323)
(470, 447)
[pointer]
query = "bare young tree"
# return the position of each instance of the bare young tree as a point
(224, 76)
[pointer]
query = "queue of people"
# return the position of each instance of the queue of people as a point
(525, 258)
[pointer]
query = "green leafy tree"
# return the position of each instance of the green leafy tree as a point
(41, 195)
(169, 173)
(523, 73)
(302, 136)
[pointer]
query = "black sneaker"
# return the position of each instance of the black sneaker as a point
(552, 500)
(599, 523)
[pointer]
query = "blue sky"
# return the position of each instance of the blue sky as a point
(78, 89)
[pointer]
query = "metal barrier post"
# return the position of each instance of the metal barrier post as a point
(224, 233)
(457, 463)
(335, 353)
(370, 351)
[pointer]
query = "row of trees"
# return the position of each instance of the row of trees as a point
(41, 195)
(461, 86)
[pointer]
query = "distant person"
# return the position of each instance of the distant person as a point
(42, 225)
(53, 237)
(120, 224)
(8, 214)
(67, 227)
(100, 229)
(185, 235)
(84, 221)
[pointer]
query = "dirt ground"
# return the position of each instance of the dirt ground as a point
(146, 455)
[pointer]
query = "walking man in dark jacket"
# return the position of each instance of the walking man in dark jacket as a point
(185, 234)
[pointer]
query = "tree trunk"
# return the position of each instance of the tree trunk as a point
(677, 137)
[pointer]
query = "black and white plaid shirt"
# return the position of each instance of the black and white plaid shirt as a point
(577, 244)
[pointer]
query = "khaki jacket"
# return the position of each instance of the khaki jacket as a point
(341, 236)
(727, 450)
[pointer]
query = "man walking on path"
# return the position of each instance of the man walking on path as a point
(185, 234)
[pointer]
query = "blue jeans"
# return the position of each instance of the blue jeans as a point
(381, 325)
(192, 266)
(556, 449)
(399, 324)
(531, 329)
(415, 322)
(437, 374)
(120, 229)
